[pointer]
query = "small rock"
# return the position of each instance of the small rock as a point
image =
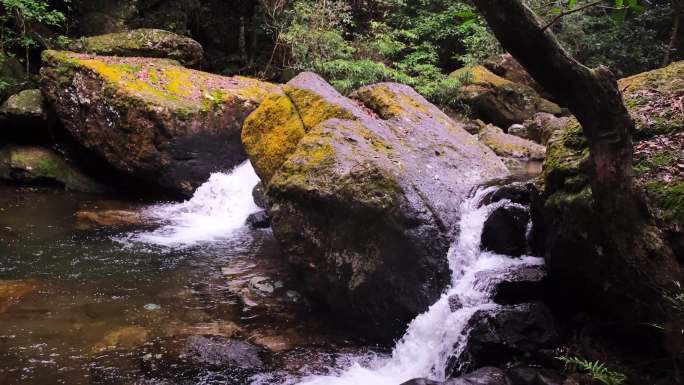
(259, 195)
(152, 307)
(455, 303)
(505, 231)
(259, 220)
(261, 285)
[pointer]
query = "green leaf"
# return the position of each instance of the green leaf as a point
(572, 4)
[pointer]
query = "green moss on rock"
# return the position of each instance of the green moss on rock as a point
(143, 43)
(36, 164)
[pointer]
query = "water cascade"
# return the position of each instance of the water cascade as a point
(435, 336)
(218, 208)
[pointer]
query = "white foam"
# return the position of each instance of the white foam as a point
(438, 334)
(218, 208)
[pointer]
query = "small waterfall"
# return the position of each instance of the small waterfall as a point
(218, 208)
(438, 334)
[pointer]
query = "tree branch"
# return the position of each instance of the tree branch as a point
(570, 12)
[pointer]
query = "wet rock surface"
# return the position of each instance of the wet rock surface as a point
(482, 376)
(505, 231)
(259, 220)
(366, 204)
(499, 335)
(528, 375)
(165, 126)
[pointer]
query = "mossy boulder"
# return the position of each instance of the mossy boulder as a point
(144, 42)
(12, 76)
(24, 118)
(26, 164)
(165, 125)
(500, 101)
(540, 127)
(510, 146)
(364, 195)
(572, 237)
(654, 99)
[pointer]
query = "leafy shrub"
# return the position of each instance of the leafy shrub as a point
(596, 369)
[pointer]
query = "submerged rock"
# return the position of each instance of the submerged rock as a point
(500, 101)
(144, 42)
(155, 121)
(510, 146)
(12, 291)
(365, 200)
(218, 352)
(26, 164)
(110, 219)
(505, 231)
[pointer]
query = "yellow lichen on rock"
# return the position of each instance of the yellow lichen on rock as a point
(479, 75)
(271, 134)
(313, 108)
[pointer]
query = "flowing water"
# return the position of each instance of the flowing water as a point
(84, 304)
(438, 335)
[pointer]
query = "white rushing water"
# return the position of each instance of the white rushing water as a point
(438, 334)
(218, 208)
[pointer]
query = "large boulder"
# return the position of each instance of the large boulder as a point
(500, 101)
(162, 124)
(364, 194)
(507, 67)
(26, 164)
(144, 42)
(510, 146)
(573, 241)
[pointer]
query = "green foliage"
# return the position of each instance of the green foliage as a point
(596, 369)
(17, 21)
(414, 42)
(629, 40)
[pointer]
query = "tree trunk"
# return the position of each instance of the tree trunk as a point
(640, 262)
(677, 6)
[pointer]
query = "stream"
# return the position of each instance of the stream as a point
(117, 305)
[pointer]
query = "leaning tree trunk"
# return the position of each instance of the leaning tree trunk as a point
(677, 7)
(638, 259)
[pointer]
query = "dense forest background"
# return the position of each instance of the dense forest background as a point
(349, 42)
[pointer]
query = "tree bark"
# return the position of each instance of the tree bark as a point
(640, 262)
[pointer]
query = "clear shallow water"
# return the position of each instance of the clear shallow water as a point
(86, 305)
